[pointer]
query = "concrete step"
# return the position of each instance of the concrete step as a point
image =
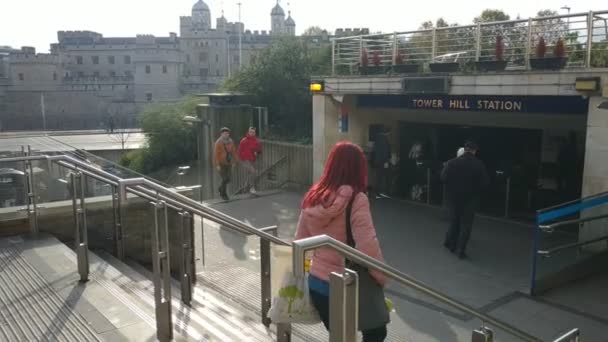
(210, 318)
(42, 299)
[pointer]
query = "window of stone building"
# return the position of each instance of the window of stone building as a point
(204, 72)
(148, 69)
(149, 97)
(111, 60)
(217, 59)
(81, 74)
(21, 77)
(96, 74)
(235, 58)
(217, 72)
(95, 59)
(164, 69)
(54, 76)
(78, 59)
(203, 57)
(128, 73)
(112, 73)
(188, 58)
(127, 59)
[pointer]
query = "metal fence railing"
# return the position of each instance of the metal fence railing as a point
(585, 38)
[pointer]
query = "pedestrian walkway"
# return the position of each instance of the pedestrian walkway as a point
(493, 279)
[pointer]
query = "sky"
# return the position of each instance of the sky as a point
(36, 22)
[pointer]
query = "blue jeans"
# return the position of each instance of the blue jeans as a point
(321, 303)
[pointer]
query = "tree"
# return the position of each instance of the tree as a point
(279, 80)
(314, 31)
(170, 141)
(491, 15)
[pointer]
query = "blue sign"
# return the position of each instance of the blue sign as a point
(477, 103)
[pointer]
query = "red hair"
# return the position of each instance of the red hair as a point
(346, 165)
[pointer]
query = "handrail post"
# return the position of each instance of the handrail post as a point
(428, 185)
(478, 43)
(528, 45)
(483, 334)
(119, 247)
(186, 267)
(161, 276)
(589, 39)
(343, 306)
(507, 196)
(80, 225)
(265, 272)
(30, 191)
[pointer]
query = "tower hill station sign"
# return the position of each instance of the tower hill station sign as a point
(475, 103)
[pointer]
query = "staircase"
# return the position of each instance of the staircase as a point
(41, 299)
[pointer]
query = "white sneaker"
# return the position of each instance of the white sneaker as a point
(252, 191)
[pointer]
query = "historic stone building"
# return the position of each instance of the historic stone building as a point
(89, 80)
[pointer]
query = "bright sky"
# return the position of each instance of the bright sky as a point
(36, 22)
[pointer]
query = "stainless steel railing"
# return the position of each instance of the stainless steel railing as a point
(585, 36)
(340, 282)
(163, 198)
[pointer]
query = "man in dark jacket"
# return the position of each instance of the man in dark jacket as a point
(382, 157)
(464, 178)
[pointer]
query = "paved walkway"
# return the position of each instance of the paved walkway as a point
(494, 279)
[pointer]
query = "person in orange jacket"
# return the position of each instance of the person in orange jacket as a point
(224, 157)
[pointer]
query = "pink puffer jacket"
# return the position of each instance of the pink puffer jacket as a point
(331, 220)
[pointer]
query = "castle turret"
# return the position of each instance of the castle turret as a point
(290, 26)
(201, 15)
(277, 17)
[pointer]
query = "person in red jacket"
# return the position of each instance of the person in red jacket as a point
(249, 149)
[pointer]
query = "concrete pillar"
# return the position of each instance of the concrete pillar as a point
(595, 175)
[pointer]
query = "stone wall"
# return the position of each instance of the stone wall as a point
(81, 109)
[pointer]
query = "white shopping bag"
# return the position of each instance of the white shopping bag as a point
(291, 298)
(293, 304)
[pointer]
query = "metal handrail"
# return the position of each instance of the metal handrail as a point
(149, 190)
(549, 252)
(300, 247)
(571, 336)
(549, 228)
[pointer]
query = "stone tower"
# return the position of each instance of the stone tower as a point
(201, 15)
(290, 26)
(277, 17)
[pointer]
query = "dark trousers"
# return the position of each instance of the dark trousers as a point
(321, 303)
(382, 180)
(462, 213)
(225, 174)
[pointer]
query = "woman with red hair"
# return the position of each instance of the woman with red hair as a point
(324, 211)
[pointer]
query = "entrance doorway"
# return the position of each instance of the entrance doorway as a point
(513, 158)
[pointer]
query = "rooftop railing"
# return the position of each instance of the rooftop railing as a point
(585, 38)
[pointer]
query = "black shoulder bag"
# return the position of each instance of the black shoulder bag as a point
(373, 312)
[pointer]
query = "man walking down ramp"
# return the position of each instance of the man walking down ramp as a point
(465, 177)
